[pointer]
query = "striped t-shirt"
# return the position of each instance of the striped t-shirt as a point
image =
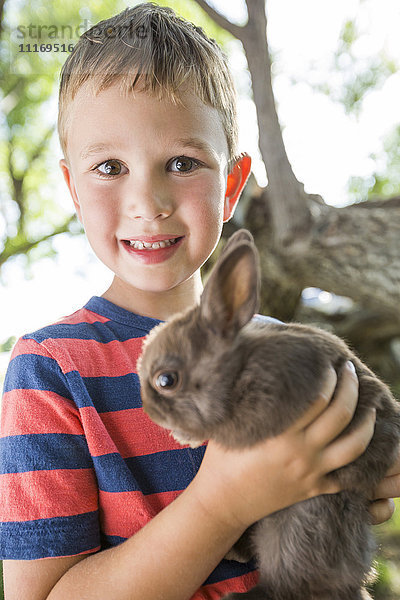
(82, 467)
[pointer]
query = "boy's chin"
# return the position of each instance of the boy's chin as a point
(151, 284)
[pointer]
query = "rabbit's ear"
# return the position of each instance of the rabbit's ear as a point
(241, 235)
(231, 295)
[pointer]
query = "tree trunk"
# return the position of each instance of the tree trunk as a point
(288, 203)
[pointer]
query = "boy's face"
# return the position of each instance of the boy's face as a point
(143, 171)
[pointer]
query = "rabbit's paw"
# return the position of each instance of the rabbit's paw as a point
(241, 557)
(183, 439)
(347, 594)
(355, 594)
(364, 595)
(243, 550)
(256, 593)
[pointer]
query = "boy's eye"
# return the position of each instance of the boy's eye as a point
(183, 164)
(109, 168)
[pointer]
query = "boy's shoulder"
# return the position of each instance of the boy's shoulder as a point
(98, 319)
(97, 328)
(264, 319)
(66, 326)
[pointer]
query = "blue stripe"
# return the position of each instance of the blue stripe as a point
(58, 536)
(43, 451)
(35, 372)
(166, 471)
(107, 309)
(113, 474)
(99, 332)
(228, 569)
(111, 540)
(106, 394)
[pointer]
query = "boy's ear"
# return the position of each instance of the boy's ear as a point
(236, 181)
(69, 180)
(231, 296)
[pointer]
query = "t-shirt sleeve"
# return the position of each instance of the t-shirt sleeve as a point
(48, 488)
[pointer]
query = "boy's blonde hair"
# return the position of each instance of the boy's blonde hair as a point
(151, 46)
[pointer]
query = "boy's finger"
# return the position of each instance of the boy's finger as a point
(320, 404)
(350, 446)
(389, 487)
(395, 468)
(330, 424)
(381, 510)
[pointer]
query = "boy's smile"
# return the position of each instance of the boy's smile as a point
(153, 249)
(148, 178)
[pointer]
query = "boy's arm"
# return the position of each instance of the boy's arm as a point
(171, 556)
(168, 558)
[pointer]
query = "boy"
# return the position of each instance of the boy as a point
(148, 129)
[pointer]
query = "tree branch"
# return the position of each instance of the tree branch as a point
(24, 247)
(2, 2)
(393, 202)
(18, 180)
(43, 145)
(235, 30)
(16, 84)
(17, 187)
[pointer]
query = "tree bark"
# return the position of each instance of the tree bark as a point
(355, 252)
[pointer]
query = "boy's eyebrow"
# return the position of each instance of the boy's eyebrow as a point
(94, 148)
(195, 143)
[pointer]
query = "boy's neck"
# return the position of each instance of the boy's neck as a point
(158, 305)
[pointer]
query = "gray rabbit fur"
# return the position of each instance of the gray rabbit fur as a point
(213, 372)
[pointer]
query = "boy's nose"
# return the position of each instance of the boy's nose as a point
(148, 200)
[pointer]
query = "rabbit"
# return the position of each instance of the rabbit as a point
(215, 372)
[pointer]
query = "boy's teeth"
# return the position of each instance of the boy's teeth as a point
(152, 245)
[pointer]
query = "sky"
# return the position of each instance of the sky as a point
(325, 146)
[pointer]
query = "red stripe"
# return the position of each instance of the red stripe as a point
(96, 359)
(215, 591)
(124, 513)
(38, 411)
(129, 432)
(28, 347)
(162, 499)
(46, 494)
(97, 436)
(134, 434)
(82, 316)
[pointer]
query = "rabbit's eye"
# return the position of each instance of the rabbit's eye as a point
(167, 380)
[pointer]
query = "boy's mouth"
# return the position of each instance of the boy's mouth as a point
(154, 243)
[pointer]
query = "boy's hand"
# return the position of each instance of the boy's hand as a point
(382, 506)
(242, 486)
